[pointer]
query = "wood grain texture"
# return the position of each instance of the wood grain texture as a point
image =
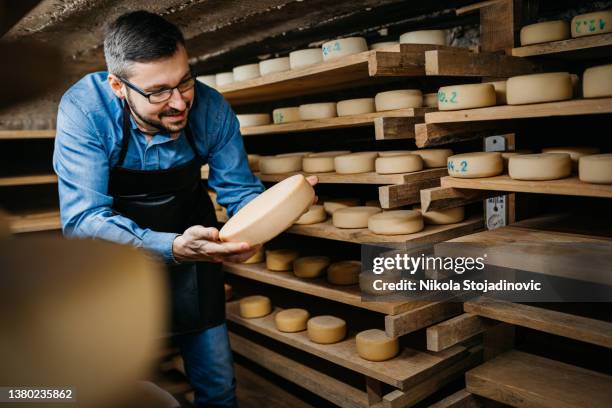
(484, 64)
(421, 317)
(363, 178)
(454, 331)
(559, 48)
(438, 198)
(404, 194)
(28, 180)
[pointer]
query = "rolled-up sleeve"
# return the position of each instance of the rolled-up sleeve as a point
(81, 161)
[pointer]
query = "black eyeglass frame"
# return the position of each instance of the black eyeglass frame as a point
(149, 94)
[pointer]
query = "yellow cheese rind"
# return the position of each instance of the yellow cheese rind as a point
(310, 266)
(224, 78)
(598, 22)
(291, 320)
(254, 119)
(315, 214)
(397, 222)
(354, 163)
(326, 329)
(343, 47)
(322, 110)
(353, 217)
(344, 273)
(542, 166)
(383, 44)
(245, 72)
(474, 165)
(435, 37)
(274, 65)
(406, 163)
(500, 92)
(281, 259)
(546, 31)
(375, 345)
(280, 165)
(306, 57)
(444, 216)
(286, 115)
(596, 169)
(430, 100)
(255, 306)
(398, 99)
(318, 164)
(539, 88)
(335, 204)
(358, 106)
(597, 82)
(257, 257)
(433, 158)
(575, 152)
(470, 96)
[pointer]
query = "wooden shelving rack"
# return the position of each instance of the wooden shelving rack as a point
(567, 49)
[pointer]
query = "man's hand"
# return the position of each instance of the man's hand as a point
(200, 243)
(313, 180)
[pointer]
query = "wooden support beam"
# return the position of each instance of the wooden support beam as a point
(454, 331)
(439, 198)
(391, 128)
(461, 63)
(460, 399)
(435, 134)
(419, 318)
(374, 391)
(392, 196)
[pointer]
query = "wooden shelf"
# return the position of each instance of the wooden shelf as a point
(45, 220)
(537, 110)
(568, 186)
(28, 180)
(363, 178)
(397, 61)
(393, 124)
(409, 368)
(27, 134)
(591, 46)
(525, 380)
(458, 62)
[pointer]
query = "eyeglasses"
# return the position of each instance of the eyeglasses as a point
(164, 94)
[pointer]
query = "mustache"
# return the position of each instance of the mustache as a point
(172, 111)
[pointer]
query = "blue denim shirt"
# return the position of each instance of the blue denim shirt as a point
(87, 145)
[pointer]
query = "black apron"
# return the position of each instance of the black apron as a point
(173, 200)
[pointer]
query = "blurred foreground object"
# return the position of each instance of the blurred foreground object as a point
(5, 227)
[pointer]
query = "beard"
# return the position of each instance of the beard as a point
(156, 122)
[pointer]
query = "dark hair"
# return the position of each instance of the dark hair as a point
(139, 36)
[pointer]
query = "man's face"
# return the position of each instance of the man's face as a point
(169, 116)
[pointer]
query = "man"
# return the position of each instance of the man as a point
(130, 143)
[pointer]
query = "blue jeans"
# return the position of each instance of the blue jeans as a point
(209, 366)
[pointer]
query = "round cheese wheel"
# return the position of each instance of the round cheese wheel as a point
(228, 291)
(291, 320)
(595, 169)
(430, 100)
(293, 154)
(224, 78)
(391, 153)
(383, 44)
(209, 80)
(353, 217)
(244, 72)
(255, 306)
(253, 161)
(280, 165)
(500, 92)
(543, 166)
(326, 329)
(257, 257)
(355, 106)
(396, 222)
(254, 119)
(506, 156)
(313, 111)
(435, 37)
(398, 99)
(598, 22)
(368, 279)
(597, 81)
(537, 88)
(315, 214)
(354, 163)
(574, 152)
(318, 164)
(470, 96)
(344, 272)
(331, 153)
(433, 158)
(270, 213)
(444, 216)
(274, 65)
(332, 205)
(546, 31)
(310, 266)
(474, 165)
(406, 163)
(375, 345)
(286, 115)
(280, 259)
(344, 46)
(304, 58)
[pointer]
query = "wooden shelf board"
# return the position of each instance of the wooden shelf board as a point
(363, 178)
(569, 48)
(28, 180)
(27, 134)
(407, 369)
(458, 62)
(537, 110)
(45, 220)
(568, 186)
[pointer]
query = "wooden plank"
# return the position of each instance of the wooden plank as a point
(314, 381)
(525, 380)
(454, 331)
(601, 42)
(393, 128)
(460, 399)
(407, 369)
(44, 220)
(28, 180)
(439, 198)
(403, 194)
(421, 317)
(436, 134)
(537, 110)
(549, 321)
(499, 24)
(484, 64)
(374, 391)
(568, 186)
(27, 134)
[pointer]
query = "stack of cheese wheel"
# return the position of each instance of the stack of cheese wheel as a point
(595, 168)
(335, 204)
(430, 100)
(543, 166)
(375, 345)
(281, 259)
(500, 92)
(396, 222)
(315, 214)
(303, 58)
(598, 22)
(280, 164)
(209, 80)
(405, 163)
(596, 82)
(383, 44)
(310, 266)
(355, 106)
(326, 329)
(342, 47)
(344, 272)
(245, 72)
(291, 320)
(274, 65)
(368, 284)
(433, 158)
(254, 119)
(575, 152)
(443, 216)
(353, 217)
(455, 97)
(253, 160)
(270, 213)
(398, 99)
(224, 78)
(538, 88)
(477, 164)
(435, 37)
(545, 32)
(354, 163)
(257, 257)
(255, 306)
(322, 110)
(286, 115)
